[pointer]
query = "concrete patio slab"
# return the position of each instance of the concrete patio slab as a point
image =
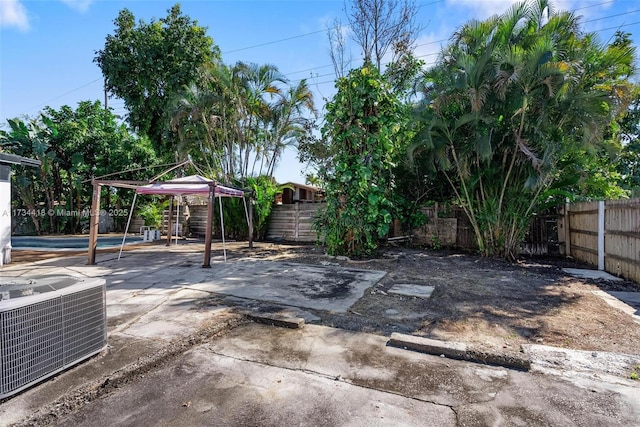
(164, 367)
(591, 274)
(308, 286)
(628, 302)
(420, 291)
(207, 389)
(630, 298)
(553, 358)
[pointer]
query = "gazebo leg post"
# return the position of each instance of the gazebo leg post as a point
(170, 231)
(209, 232)
(94, 220)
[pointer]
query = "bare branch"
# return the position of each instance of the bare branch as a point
(338, 44)
(380, 25)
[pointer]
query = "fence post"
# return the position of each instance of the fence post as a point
(297, 220)
(601, 230)
(567, 228)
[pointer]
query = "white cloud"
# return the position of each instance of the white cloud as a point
(428, 46)
(483, 9)
(13, 14)
(79, 5)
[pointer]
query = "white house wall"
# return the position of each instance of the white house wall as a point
(5, 222)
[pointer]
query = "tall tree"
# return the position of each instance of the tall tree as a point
(34, 188)
(73, 146)
(628, 165)
(338, 51)
(147, 64)
(240, 118)
(510, 99)
(364, 126)
(289, 122)
(380, 25)
(91, 143)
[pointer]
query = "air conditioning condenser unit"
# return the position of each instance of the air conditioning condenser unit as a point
(48, 324)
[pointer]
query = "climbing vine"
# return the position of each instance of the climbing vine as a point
(364, 124)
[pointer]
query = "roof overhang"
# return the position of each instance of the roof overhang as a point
(13, 159)
(303, 186)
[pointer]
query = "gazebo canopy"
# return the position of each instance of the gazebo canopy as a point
(193, 184)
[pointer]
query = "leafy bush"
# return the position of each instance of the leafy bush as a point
(151, 213)
(264, 191)
(364, 126)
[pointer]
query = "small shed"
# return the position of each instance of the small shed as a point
(293, 192)
(6, 161)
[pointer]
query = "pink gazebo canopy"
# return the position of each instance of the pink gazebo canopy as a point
(193, 184)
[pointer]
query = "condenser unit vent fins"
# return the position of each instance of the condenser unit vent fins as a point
(46, 326)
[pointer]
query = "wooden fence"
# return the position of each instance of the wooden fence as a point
(605, 234)
(293, 223)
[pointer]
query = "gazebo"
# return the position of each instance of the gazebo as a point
(189, 185)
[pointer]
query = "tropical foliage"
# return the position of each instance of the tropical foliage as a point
(364, 127)
(628, 164)
(520, 112)
(235, 210)
(513, 100)
(239, 119)
(73, 146)
(146, 64)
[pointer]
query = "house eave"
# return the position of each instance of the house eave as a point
(14, 159)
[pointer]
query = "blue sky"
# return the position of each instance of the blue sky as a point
(47, 46)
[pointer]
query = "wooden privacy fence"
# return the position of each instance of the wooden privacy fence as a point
(444, 227)
(605, 234)
(293, 223)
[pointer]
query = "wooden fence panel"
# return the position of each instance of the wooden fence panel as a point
(622, 238)
(198, 220)
(465, 236)
(306, 216)
(620, 235)
(542, 238)
(164, 228)
(136, 225)
(583, 232)
(293, 223)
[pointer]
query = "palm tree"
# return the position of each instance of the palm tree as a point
(238, 116)
(195, 117)
(288, 122)
(258, 85)
(508, 99)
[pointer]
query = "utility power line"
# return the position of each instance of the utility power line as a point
(331, 65)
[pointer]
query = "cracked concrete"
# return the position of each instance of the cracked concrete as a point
(260, 375)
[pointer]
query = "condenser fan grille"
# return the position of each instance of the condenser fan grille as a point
(45, 332)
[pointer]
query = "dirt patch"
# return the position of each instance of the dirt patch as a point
(489, 303)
